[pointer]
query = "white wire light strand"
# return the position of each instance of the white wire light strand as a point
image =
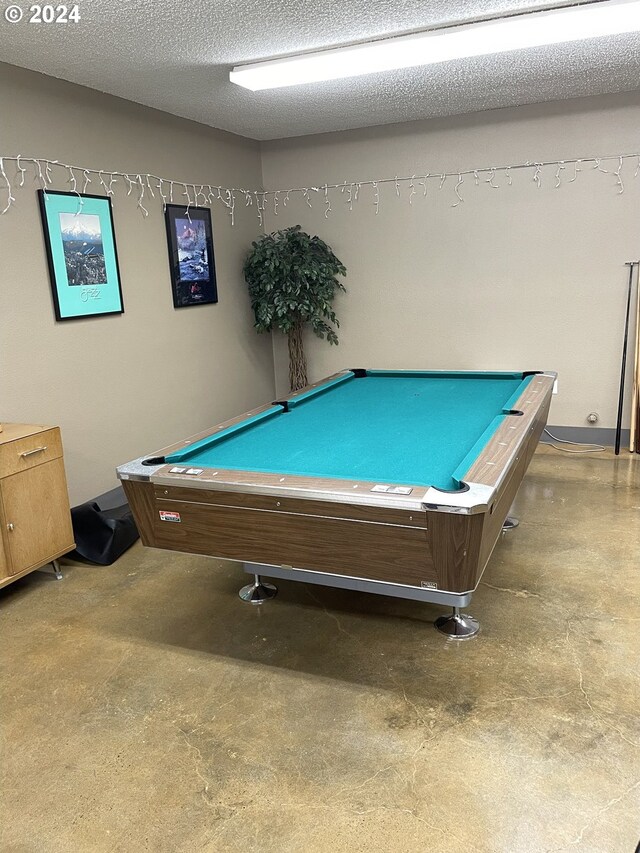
(44, 170)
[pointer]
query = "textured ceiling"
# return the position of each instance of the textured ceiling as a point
(176, 56)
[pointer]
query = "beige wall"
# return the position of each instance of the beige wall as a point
(124, 385)
(516, 277)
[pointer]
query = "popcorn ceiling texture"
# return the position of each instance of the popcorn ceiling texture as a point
(176, 57)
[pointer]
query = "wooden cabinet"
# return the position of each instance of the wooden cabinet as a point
(35, 522)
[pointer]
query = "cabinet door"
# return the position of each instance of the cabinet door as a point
(36, 515)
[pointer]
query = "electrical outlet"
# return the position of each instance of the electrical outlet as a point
(593, 418)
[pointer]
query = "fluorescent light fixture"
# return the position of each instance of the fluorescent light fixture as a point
(534, 29)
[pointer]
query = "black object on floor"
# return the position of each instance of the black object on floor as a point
(103, 528)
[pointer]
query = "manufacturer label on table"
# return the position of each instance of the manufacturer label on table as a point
(170, 516)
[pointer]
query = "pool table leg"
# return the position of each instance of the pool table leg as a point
(258, 591)
(458, 626)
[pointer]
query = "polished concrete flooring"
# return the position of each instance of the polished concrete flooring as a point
(146, 708)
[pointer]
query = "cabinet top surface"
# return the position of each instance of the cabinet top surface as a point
(13, 432)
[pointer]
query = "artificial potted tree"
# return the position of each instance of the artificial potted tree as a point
(292, 281)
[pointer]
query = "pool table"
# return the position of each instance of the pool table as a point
(386, 481)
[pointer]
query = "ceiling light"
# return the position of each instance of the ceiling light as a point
(572, 23)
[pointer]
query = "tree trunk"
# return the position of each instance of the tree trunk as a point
(297, 360)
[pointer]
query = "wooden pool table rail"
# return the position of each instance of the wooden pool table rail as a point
(482, 480)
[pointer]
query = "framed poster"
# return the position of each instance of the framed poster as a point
(191, 259)
(81, 252)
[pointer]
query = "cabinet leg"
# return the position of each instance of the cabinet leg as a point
(53, 568)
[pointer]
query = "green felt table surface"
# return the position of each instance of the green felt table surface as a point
(400, 427)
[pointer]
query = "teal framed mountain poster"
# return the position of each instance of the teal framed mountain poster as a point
(81, 253)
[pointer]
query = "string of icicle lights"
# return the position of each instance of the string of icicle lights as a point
(47, 174)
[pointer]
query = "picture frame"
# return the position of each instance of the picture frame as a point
(191, 255)
(81, 254)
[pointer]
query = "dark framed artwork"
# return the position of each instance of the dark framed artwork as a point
(191, 258)
(81, 253)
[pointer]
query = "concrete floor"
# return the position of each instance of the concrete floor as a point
(145, 707)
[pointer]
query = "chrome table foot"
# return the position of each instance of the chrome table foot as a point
(509, 523)
(458, 626)
(258, 591)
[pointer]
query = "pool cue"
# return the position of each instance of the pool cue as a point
(634, 436)
(637, 374)
(634, 442)
(631, 265)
